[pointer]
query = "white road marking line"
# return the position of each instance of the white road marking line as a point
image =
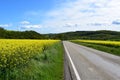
(74, 68)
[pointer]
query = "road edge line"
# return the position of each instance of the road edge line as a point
(73, 66)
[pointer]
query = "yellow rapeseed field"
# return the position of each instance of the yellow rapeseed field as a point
(108, 43)
(14, 53)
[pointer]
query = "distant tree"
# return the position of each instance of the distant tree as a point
(19, 34)
(1, 28)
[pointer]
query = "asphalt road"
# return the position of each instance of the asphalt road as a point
(83, 63)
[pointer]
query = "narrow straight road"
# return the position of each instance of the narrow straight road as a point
(83, 63)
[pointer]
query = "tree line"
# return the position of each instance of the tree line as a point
(6, 34)
(92, 35)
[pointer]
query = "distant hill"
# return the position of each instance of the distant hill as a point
(6, 34)
(96, 35)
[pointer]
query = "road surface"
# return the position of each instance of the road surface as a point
(83, 63)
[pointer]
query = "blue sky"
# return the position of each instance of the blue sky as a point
(56, 16)
(14, 11)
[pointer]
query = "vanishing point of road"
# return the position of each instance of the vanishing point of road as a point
(83, 63)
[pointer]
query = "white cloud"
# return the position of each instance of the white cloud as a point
(83, 12)
(28, 25)
(31, 26)
(116, 22)
(24, 22)
(5, 25)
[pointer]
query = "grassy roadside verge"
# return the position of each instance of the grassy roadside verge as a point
(109, 49)
(47, 65)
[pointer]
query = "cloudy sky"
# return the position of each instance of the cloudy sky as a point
(56, 16)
